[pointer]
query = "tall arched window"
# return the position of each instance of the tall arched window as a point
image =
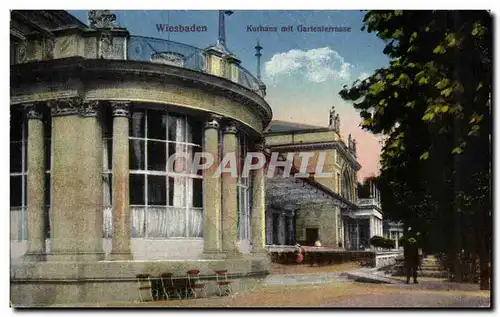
(346, 191)
(165, 201)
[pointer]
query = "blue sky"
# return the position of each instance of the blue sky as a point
(303, 71)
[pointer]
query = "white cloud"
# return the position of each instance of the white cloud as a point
(317, 65)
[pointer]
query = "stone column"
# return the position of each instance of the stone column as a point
(357, 234)
(36, 184)
(212, 190)
(121, 211)
(229, 192)
(258, 220)
(76, 181)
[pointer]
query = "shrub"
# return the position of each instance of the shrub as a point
(381, 242)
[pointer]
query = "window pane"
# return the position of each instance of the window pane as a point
(181, 162)
(47, 189)
(157, 190)
(16, 122)
(107, 122)
(108, 165)
(25, 193)
(136, 128)
(25, 156)
(136, 149)
(137, 189)
(176, 129)
(197, 192)
(16, 191)
(47, 157)
(157, 125)
(195, 132)
(46, 217)
(157, 155)
(177, 188)
(15, 157)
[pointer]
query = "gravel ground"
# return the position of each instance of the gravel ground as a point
(291, 287)
(333, 295)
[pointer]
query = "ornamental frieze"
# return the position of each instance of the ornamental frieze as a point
(74, 106)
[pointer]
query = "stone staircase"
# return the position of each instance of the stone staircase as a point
(428, 268)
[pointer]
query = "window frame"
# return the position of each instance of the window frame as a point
(191, 146)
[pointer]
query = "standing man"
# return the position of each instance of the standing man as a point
(411, 256)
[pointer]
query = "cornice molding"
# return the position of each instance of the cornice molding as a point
(338, 145)
(79, 67)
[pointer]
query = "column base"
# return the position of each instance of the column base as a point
(75, 256)
(35, 257)
(118, 256)
(261, 254)
(234, 253)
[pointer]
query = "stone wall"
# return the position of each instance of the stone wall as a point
(70, 283)
(324, 219)
(383, 259)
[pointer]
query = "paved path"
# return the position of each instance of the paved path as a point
(411, 300)
(304, 279)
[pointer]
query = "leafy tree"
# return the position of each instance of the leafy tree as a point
(433, 104)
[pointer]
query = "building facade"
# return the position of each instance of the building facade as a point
(95, 113)
(319, 206)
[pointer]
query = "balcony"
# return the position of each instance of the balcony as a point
(118, 44)
(167, 52)
(362, 202)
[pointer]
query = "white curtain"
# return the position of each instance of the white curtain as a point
(138, 221)
(176, 219)
(157, 223)
(107, 222)
(108, 210)
(195, 216)
(18, 224)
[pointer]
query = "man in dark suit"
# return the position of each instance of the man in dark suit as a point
(411, 256)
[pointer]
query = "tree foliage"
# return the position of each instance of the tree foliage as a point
(432, 103)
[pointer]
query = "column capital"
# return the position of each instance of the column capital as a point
(64, 107)
(89, 108)
(230, 128)
(120, 108)
(213, 122)
(33, 111)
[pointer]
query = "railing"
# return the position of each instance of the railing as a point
(248, 80)
(368, 202)
(150, 49)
